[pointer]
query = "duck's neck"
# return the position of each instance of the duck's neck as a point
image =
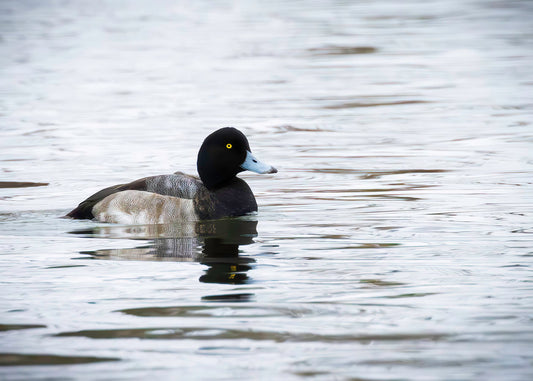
(234, 198)
(215, 176)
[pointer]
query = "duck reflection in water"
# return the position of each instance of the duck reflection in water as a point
(212, 243)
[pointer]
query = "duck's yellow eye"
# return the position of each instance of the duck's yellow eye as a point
(228, 146)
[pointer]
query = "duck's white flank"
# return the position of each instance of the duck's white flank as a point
(139, 207)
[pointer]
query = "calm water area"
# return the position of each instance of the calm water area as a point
(394, 243)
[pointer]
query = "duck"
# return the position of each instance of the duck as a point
(217, 192)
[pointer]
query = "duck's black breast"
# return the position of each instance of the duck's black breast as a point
(233, 199)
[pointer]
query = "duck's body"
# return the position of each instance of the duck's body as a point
(177, 197)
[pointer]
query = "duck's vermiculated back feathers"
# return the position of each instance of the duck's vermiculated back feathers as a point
(177, 185)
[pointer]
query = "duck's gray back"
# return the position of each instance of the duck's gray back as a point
(177, 185)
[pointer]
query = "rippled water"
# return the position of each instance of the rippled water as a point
(394, 243)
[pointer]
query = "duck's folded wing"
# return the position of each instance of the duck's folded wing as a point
(177, 185)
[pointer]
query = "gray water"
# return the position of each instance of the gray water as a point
(395, 243)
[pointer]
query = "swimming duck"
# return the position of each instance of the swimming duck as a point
(217, 193)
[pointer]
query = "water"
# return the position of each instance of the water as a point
(395, 243)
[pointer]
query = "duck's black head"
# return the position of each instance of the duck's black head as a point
(225, 153)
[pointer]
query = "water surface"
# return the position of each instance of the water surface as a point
(395, 243)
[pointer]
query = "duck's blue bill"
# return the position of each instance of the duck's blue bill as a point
(254, 165)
